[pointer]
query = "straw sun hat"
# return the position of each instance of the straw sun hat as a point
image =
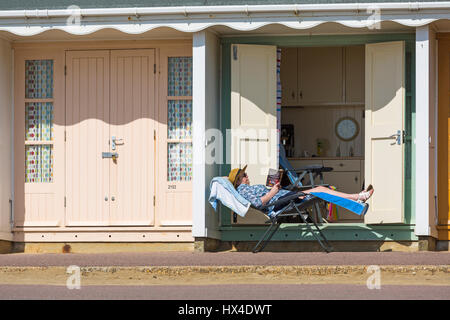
(235, 174)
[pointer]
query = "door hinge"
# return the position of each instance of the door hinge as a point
(154, 200)
(154, 135)
(235, 53)
(65, 70)
(65, 136)
(65, 202)
(154, 68)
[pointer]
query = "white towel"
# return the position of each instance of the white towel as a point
(218, 191)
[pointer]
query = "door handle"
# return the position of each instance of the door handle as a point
(398, 138)
(112, 155)
(114, 142)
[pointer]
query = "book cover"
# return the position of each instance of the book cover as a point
(273, 177)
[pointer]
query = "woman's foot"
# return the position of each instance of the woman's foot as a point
(363, 196)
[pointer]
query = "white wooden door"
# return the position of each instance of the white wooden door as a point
(174, 138)
(38, 138)
(132, 95)
(87, 136)
(110, 94)
(253, 110)
(384, 149)
(253, 136)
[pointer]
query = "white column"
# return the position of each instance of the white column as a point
(198, 118)
(424, 171)
(206, 116)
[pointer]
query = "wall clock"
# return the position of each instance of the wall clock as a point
(347, 128)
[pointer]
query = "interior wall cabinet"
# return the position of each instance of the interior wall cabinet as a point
(354, 74)
(289, 78)
(322, 75)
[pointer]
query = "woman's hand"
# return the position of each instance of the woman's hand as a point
(275, 188)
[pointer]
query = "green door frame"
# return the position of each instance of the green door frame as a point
(335, 231)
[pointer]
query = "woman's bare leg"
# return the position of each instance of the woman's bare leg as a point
(351, 196)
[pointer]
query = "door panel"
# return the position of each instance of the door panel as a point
(289, 78)
(384, 155)
(38, 138)
(87, 136)
(133, 124)
(253, 110)
(313, 86)
(174, 134)
(174, 137)
(254, 139)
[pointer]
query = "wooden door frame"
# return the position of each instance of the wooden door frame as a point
(443, 135)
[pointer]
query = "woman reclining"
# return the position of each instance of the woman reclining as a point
(258, 195)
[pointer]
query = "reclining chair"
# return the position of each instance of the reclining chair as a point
(291, 206)
(222, 190)
(297, 176)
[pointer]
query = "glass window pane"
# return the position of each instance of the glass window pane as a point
(179, 119)
(38, 79)
(180, 76)
(39, 121)
(179, 161)
(38, 163)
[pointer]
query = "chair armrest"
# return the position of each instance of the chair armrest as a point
(285, 200)
(314, 169)
(307, 187)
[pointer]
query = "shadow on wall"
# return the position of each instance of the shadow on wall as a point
(313, 246)
(443, 245)
(6, 247)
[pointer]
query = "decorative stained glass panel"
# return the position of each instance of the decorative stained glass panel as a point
(39, 163)
(179, 119)
(180, 76)
(38, 79)
(39, 121)
(179, 161)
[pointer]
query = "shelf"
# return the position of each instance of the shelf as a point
(330, 104)
(327, 158)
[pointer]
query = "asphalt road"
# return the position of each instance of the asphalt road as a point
(227, 292)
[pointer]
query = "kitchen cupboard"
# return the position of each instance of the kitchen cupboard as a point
(322, 76)
(354, 74)
(289, 77)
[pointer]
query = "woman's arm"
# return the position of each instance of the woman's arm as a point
(266, 198)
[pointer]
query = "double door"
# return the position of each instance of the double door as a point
(110, 137)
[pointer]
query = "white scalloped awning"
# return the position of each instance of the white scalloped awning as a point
(241, 18)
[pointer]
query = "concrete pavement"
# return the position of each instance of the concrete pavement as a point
(174, 268)
(227, 259)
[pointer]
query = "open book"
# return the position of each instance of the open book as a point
(273, 177)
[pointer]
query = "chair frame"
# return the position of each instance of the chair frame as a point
(291, 209)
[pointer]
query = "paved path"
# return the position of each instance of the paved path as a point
(227, 259)
(228, 292)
